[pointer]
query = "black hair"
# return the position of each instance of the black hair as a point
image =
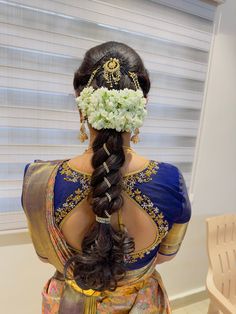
(101, 264)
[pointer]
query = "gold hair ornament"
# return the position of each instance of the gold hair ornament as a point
(112, 75)
(82, 134)
(135, 137)
(92, 76)
(112, 71)
(135, 79)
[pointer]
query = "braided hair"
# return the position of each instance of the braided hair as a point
(101, 263)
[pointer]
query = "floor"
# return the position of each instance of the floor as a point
(195, 308)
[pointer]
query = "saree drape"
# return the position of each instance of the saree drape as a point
(142, 290)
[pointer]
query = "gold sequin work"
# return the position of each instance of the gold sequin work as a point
(145, 202)
(74, 176)
(71, 201)
(77, 196)
(141, 176)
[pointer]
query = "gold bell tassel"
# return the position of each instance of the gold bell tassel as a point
(135, 137)
(82, 135)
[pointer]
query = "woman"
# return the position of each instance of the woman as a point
(107, 217)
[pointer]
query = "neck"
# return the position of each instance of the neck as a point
(126, 138)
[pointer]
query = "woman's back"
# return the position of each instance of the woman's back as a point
(144, 215)
(138, 223)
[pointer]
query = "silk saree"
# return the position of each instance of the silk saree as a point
(142, 290)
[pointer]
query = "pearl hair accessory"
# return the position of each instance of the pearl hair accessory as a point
(107, 182)
(106, 167)
(104, 220)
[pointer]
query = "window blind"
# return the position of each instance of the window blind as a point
(43, 42)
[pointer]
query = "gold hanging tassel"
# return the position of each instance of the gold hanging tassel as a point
(112, 71)
(134, 77)
(135, 137)
(92, 76)
(82, 135)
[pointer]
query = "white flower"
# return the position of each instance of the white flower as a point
(123, 110)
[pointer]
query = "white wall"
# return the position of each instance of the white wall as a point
(22, 273)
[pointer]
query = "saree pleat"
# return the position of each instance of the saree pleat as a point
(142, 290)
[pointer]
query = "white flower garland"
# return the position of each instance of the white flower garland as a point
(123, 110)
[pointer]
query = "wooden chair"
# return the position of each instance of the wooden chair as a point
(221, 277)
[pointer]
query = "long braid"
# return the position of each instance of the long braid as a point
(102, 263)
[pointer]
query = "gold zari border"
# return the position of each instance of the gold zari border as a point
(172, 242)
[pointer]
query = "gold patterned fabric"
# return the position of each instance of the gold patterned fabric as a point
(172, 242)
(142, 292)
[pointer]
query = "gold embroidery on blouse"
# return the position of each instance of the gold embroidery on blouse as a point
(141, 177)
(74, 198)
(71, 201)
(135, 194)
(162, 225)
(72, 175)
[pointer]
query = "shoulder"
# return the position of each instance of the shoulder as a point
(38, 163)
(37, 171)
(173, 176)
(169, 174)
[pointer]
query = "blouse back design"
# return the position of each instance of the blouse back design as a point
(159, 189)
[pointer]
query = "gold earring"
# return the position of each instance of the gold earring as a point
(135, 137)
(82, 135)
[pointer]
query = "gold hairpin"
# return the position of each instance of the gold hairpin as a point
(109, 196)
(92, 76)
(107, 182)
(112, 71)
(106, 167)
(106, 149)
(135, 79)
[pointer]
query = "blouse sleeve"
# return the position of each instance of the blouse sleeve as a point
(170, 245)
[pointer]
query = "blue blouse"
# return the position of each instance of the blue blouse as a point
(159, 188)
